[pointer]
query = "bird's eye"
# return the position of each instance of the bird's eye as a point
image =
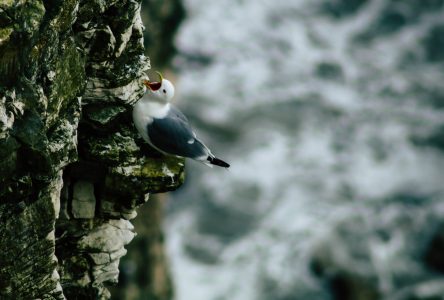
(164, 91)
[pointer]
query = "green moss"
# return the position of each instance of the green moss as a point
(68, 79)
(161, 167)
(103, 115)
(66, 15)
(146, 176)
(29, 16)
(77, 266)
(6, 3)
(5, 33)
(115, 149)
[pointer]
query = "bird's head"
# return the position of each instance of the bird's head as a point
(162, 90)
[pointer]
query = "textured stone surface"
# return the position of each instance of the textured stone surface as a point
(83, 200)
(72, 167)
(137, 279)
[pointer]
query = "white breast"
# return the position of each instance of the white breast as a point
(144, 112)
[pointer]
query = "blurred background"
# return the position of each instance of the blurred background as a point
(331, 115)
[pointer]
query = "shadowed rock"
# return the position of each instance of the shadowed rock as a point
(71, 171)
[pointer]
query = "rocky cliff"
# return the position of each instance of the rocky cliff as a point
(72, 168)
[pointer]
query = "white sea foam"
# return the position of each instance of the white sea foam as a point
(308, 151)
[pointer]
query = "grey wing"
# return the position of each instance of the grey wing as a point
(174, 135)
(177, 113)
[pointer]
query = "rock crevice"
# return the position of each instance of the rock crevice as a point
(72, 171)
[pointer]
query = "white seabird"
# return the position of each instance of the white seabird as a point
(166, 128)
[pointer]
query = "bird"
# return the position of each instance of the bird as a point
(165, 128)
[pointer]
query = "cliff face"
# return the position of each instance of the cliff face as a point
(72, 168)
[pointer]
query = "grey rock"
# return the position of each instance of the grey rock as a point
(100, 258)
(83, 200)
(71, 171)
(117, 254)
(108, 273)
(108, 237)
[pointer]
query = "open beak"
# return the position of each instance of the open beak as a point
(154, 85)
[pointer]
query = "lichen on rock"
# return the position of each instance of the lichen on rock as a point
(72, 168)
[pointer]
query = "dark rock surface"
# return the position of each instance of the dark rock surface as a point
(72, 172)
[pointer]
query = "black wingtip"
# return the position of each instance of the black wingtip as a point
(218, 162)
